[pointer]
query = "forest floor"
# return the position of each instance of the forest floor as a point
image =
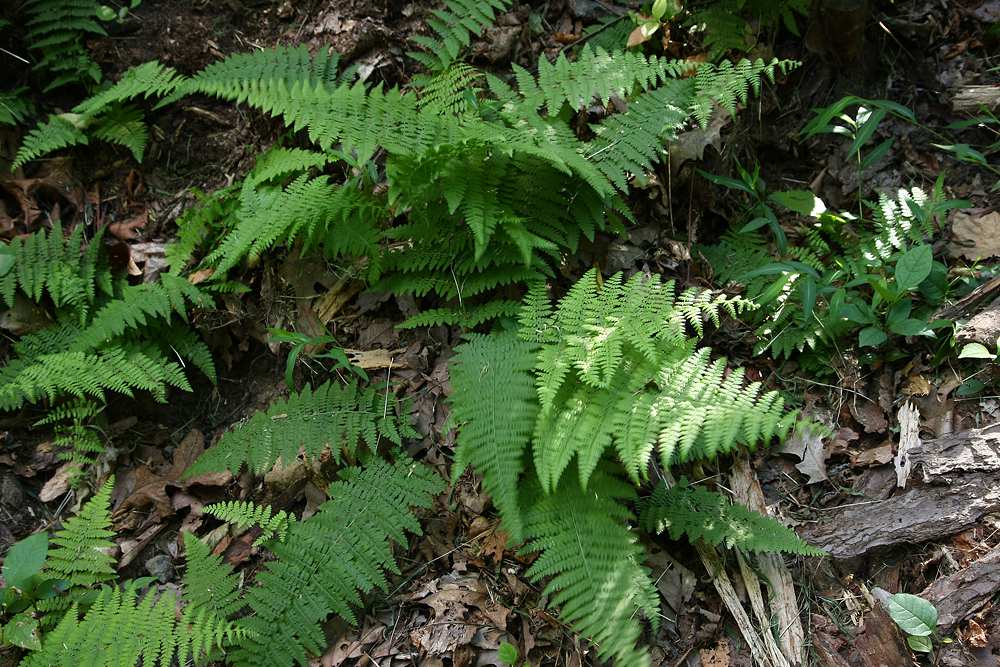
(463, 591)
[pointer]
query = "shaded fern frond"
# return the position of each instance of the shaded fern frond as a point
(313, 420)
(58, 132)
(700, 514)
(246, 514)
(56, 28)
(464, 317)
(493, 405)
(593, 560)
(82, 545)
(208, 583)
(283, 162)
(456, 27)
(124, 126)
(148, 79)
(326, 560)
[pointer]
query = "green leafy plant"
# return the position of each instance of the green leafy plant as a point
(107, 13)
(299, 344)
(564, 416)
(56, 28)
(918, 619)
(759, 210)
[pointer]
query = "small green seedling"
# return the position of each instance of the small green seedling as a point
(299, 342)
(507, 654)
(106, 13)
(917, 618)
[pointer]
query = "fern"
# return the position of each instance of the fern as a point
(313, 420)
(15, 107)
(82, 546)
(120, 124)
(246, 514)
(683, 510)
(455, 27)
(594, 561)
(56, 28)
(495, 428)
(326, 560)
(210, 588)
(82, 443)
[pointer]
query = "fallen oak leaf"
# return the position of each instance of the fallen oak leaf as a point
(151, 488)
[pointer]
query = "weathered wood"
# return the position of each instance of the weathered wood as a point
(982, 328)
(964, 306)
(826, 648)
(970, 98)
(975, 450)
(927, 513)
(965, 592)
(882, 643)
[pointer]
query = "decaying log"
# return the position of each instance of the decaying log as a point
(982, 328)
(961, 475)
(970, 98)
(826, 648)
(928, 513)
(882, 645)
(965, 592)
(975, 450)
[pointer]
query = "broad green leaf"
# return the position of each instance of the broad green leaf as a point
(801, 201)
(899, 311)
(876, 154)
(106, 13)
(882, 288)
(913, 267)
(868, 121)
(659, 9)
(970, 387)
(772, 292)
(756, 223)
(807, 290)
(975, 351)
(870, 336)
(913, 614)
(25, 559)
(910, 327)
(507, 654)
(22, 631)
(7, 259)
(920, 644)
(728, 182)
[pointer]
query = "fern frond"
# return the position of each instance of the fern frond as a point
(58, 132)
(593, 560)
(327, 559)
(700, 514)
(82, 545)
(148, 79)
(464, 317)
(282, 162)
(209, 585)
(15, 106)
(124, 126)
(455, 27)
(56, 28)
(494, 407)
(313, 420)
(246, 514)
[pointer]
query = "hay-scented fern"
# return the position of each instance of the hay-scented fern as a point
(454, 188)
(564, 417)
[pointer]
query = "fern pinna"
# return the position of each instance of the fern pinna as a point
(563, 417)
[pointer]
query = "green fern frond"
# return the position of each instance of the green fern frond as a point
(246, 514)
(494, 407)
(15, 106)
(123, 126)
(446, 92)
(208, 583)
(899, 222)
(593, 559)
(201, 224)
(283, 162)
(82, 545)
(700, 514)
(326, 560)
(56, 28)
(624, 374)
(456, 27)
(468, 317)
(148, 79)
(313, 420)
(58, 132)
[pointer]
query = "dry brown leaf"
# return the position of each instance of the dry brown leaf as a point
(718, 656)
(60, 482)
(125, 230)
(151, 488)
(877, 456)
(808, 446)
(978, 227)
